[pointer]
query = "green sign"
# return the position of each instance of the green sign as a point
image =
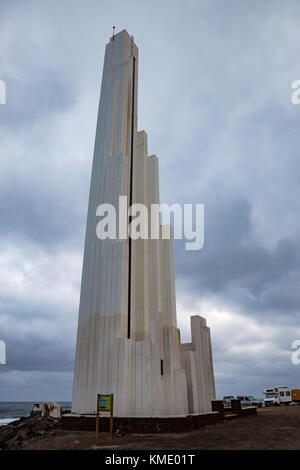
(104, 403)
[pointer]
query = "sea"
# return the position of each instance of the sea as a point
(10, 410)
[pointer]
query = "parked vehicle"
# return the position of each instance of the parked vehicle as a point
(277, 396)
(227, 400)
(295, 393)
(249, 400)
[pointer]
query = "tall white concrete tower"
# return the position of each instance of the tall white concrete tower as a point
(128, 342)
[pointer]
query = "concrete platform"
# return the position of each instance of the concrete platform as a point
(170, 424)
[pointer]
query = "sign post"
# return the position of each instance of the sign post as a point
(105, 403)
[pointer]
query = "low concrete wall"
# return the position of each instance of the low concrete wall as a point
(171, 424)
(73, 422)
(232, 413)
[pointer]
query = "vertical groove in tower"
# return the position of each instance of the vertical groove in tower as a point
(131, 193)
(127, 341)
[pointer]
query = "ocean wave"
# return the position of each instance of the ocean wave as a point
(5, 421)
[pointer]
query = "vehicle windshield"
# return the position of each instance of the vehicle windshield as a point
(270, 395)
(252, 398)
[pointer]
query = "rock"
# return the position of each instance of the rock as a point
(43, 421)
(6, 434)
(120, 432)
(47, 410)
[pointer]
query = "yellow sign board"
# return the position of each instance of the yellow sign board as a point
(105, 403)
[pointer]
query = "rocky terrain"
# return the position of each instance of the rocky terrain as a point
(44, 421)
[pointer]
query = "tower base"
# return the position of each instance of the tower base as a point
(135, 424)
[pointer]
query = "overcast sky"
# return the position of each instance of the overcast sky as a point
(215, 99)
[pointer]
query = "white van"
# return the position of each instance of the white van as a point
(277, 395)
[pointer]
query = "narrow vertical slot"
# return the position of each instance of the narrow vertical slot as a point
(131, 195)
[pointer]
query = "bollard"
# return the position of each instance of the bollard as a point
(236, 407)
(218, 405)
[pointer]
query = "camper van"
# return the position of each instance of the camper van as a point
(277, 395)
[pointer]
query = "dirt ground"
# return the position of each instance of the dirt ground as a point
(272, 428)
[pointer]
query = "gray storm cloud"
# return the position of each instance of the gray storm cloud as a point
(215, 99)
